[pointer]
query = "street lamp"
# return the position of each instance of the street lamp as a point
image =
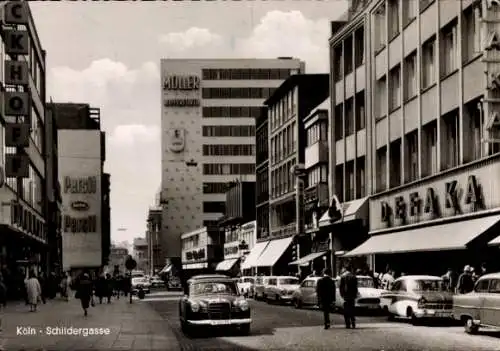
(300, 173)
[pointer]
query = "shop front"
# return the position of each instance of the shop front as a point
(446, 221)
(343, 226)
(275, 257)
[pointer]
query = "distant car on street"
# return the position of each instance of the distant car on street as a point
(141, 282)
(417, 297)
(245, 285)
(368, 297)
(259, 287)
(156, 282)
(280, 289)
(213, 301)
(481, 307)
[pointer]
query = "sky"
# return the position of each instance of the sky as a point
(107, 54)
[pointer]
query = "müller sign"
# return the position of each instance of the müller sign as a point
(182, 83)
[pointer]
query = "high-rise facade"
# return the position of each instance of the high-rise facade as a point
(208, 135)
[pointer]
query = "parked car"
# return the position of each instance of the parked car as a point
(140, 282)
(481, 307)
(305, 295)
(368, 298)
(213, 300)
(281, 288)
(417, 297)
(259, 287)
(156, 281)
(245, 284)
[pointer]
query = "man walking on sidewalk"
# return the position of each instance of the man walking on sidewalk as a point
(325, 291)
(349, 292)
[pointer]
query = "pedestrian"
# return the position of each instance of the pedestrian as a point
(66, 286)
(100, 288)
(84, 292)
(34, 291)
(109, 287)
(483, 270)
(43, 285)
(325, 292)
(388, 279)
(349, 291)
(465, 281)
(449, 280)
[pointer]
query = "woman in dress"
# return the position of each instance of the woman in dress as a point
(65, 286)
(84, 291)
(34, 291)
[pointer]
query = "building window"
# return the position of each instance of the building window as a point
(246, 74)
(472, 118)
(231, 111)
(380, 28)
(471, 33)
(350, 181)
(214, 188)
(316, 175)
(360, 111)
(359, 47)
(339, 182)
(360, 178)
(409, 11)
(428, 63)
(381, 98)
(424, 4)
(451, 145)
(349, 117)
(411, 157)
(237, 93)
(214, 207)
(395, 88)
(411, 85)
(430, 149)
(339, 122)
(228, 131)
(449, 49)
(393, 19)
(228, 150)
(395, 164)
(337, 59)
(348, 56)
(228, 168)
(381, 168)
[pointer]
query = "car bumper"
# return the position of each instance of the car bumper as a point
(286, 298)
(368, 306)
(429, 313)
(221, 322)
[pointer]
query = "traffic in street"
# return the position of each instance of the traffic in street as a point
(283, 327)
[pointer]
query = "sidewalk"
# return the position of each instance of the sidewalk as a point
(123, 326)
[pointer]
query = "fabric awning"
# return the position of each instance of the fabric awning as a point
(308, 258)
(226, 265)
(495, 242)
(351, 210)
(200, 265)
(166, 269)
(273, 252)
(254, 255)
(450, 236)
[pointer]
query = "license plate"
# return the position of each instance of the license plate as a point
(223, 322)
(443, 314)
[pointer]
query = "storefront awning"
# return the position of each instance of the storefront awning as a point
(308, 258)
(451, 236)
(166, 269)
(200, 265)
(495, 242)
(226, 265)
(254, 255)
(351, 210)
(273, 252)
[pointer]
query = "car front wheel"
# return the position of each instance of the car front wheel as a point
(297, 304)
(470, 327)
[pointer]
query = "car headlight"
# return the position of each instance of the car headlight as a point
(195, 307)
(422, 302)
(242, 304)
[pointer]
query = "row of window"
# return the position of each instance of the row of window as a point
(231, 111)
(317, 132)
(228, 168)
(228, 131)
(246, 74)
(191, 242)
(262, 145)
(354, 182)
(352, 112)
(282, 179)
(283, 110)
(317, 174)
(237, 93)
(263, 221)
(32, 187)
(214, 207)
(350, 54)
(284, 143)
(262, 185)
(214, 188)
(229, 150)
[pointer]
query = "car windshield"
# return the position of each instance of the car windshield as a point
(248, 280)
(289, 281)
(425, 285)
(365, 283)
(202, 288)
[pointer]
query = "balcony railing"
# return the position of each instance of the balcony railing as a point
(287, 230)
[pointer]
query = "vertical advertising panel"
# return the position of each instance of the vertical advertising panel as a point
(80, 177)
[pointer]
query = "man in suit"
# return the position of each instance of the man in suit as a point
(325, 291)
(349, 291)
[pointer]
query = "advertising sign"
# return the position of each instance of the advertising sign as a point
(16, 72)
(16, 42)
(15, 12)
(16, 104)
(181, 83)
(176, 140)
(17, 135)
(17, 165)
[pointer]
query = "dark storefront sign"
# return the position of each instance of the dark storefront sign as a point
(195, 255)
(26, 220)
(319, 246)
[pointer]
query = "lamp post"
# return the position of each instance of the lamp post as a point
(300, 173)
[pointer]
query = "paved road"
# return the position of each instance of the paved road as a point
(285, 328)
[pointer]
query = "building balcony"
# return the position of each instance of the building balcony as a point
(284, 231)
(317, 193)
(316, 153)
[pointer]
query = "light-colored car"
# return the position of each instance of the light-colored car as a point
(245, 285)
(368, 295)
(417, 297)
(280, 289)
(139, 282)
(259, 287)
(156, 281)
(481, 307)
(305, 295)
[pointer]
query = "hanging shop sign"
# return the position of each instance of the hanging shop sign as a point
(15, 12)
(17, 135)
(16, 42)
(16, 73)
(195, 255)
(25, 219)
(17, 165)
(16, 103)
(179, 82)
(80, 185)
(491, 50)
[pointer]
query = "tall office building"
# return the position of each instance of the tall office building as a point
(208, 135)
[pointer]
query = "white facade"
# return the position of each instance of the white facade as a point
(246, 234)
(80, 169)
(208, 134)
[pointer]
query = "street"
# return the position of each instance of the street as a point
(285, 328)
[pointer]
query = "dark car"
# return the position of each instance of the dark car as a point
(213, 301)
